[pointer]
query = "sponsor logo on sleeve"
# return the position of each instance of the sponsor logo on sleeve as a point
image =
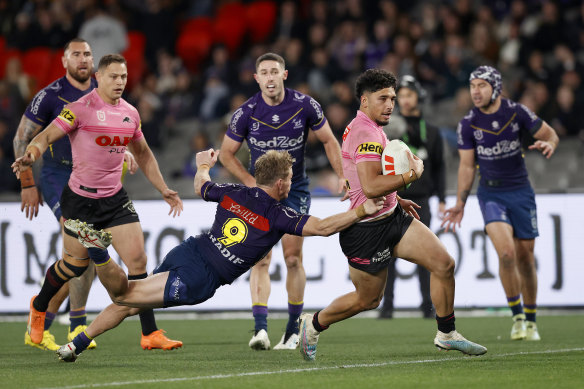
(317, 108)
(67, 115)
(372, 148)
(37, 102)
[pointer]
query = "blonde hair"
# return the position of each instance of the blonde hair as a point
(272, 166)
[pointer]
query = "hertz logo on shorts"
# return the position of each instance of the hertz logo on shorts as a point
(67, 115)
(370, 148)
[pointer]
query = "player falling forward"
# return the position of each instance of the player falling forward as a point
(392, 232)
(248, 223)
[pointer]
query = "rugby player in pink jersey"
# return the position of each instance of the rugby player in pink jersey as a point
(100, 126)
(394, 231)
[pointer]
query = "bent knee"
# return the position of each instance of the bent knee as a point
(443, 266)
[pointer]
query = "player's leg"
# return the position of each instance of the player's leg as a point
(295, 285)
(421, 246)
(48, 341)
(424, 275)
(367, 295)
(528, 273)
(128, 241)
(260, 288)
(386, 311)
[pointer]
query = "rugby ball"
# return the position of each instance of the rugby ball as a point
(394, 159)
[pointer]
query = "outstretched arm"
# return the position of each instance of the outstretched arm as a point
(205, 160)
(149, 166)
(335, 223)
(36, 148)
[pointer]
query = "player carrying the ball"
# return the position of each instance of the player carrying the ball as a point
(394, 231)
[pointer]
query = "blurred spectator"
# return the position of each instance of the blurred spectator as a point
(295, 63)
(105, 33)
(199, 142)
(379, 44)
(567, 118)
(21, 85)
(347, 46)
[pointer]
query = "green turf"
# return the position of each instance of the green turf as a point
(357, 353)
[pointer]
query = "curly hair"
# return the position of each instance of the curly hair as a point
(373, 80)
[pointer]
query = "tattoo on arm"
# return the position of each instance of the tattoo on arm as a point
(464, 195)
(27, 130)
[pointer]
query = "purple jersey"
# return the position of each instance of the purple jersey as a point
(46, 106)
(496, 139)
(281, 127)
(248, 222)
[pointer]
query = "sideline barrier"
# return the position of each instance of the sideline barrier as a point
(28, 247)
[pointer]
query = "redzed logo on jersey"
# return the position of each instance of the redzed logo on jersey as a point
(105, 140)
(389, 165)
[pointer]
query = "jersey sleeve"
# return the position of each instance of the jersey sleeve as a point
(40, 109)
(366, 146)
(238, 126)
(211, 191)
(527, 119)
(138, 134)
(315, 115)
(67, 119)
(464, 135)
(289, 221)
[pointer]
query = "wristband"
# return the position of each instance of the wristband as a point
(34, 151)
(360, 211)
(26, 179)
(410, 177)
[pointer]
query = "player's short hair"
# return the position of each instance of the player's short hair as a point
(74, 40)
(270, 57)
(373, 80)
(272, 166)
(108, 59)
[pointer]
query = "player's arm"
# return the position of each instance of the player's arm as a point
(228, 159)
(375, 184)
(546, 140)
(37, 147)
(335, 223)
(466, 173)
(147, 162)
(205, 160)
(333, 152)
(29, 195)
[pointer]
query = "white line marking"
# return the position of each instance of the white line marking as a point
(302, 370)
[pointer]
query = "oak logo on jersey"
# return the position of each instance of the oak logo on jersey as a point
(105, 140)
(370, 148)
(67, 115)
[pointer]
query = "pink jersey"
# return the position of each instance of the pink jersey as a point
(99, 133)
(363, 141)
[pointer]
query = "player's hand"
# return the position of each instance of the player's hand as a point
(130, 162)
(546, 148)
(371, 206)
(410, 207)
(452, 218)
(25, 161)
(172, 198)
(416, 164)
(343, 188)
(31, 199)
(207, 157)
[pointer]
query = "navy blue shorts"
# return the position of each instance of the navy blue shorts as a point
(53, 181)
(515, 207)
(191, 280)
(299, 197)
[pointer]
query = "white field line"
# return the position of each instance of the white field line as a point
(302, 370)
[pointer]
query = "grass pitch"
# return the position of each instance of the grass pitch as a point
(357, 353)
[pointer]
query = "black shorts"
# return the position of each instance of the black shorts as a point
(101, 213)
(369, 245)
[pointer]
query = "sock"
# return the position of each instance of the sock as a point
(50, 287)
(260, 315)
(49, 317)
(81, 342)
(98, 256)
(515, 304)
(317, 326)
(147, 319)
(530, 312)
(294, 311)
(446, 323)
(77, 318)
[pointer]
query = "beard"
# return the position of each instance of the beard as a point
(79, 77)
